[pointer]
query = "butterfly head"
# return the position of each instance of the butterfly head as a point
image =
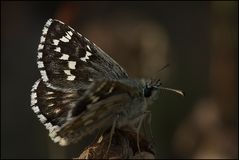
(150, 87)
(155, 85)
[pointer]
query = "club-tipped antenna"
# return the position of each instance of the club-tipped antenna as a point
(173, 90)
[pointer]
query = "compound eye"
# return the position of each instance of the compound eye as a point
(147, 91)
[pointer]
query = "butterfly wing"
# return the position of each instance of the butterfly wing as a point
(98, 107)
(67, 60)
(80, 89)
(52, 106)
(70, 116)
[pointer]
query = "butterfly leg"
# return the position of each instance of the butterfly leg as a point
(148, 115)
(149, 118)
(111, 134)
(141, 118)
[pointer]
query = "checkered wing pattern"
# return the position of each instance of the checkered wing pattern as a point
(67, 60)
(81, 87)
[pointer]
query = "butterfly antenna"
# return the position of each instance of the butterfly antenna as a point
(155, 78)
(164, 67)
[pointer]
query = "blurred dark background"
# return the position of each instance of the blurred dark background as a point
(198, 39)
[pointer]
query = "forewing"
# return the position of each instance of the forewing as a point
(67, 60)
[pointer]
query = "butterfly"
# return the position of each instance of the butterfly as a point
(81, 88)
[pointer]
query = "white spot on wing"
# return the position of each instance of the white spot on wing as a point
(70, 76)
(57, 139)
(49, 105)
(33, 96)
(48, 23)
(57, 110)
(39, 55)
(56, 128)
(44, 31)
(40, 46)
(33, 101)
(90, 79)
(68, 36)
(48, 125)
(64, 57)
(64, 39)
(48, 93)
(70, 33)
(72, 64)
(70, 95)
(40, 64)
(53, 132)
(42, 118)
(63, 142)
(34, 87)
(86, 56)
(68, 72)
(88, 47)
(36, 109)
(42, 39)
(56, 42)
(101, 86)
(100, 139)
(111, 88)
(52, 135)
(44, 76)
(57, 49)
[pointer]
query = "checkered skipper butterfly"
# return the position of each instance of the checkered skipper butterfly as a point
(81, 88)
